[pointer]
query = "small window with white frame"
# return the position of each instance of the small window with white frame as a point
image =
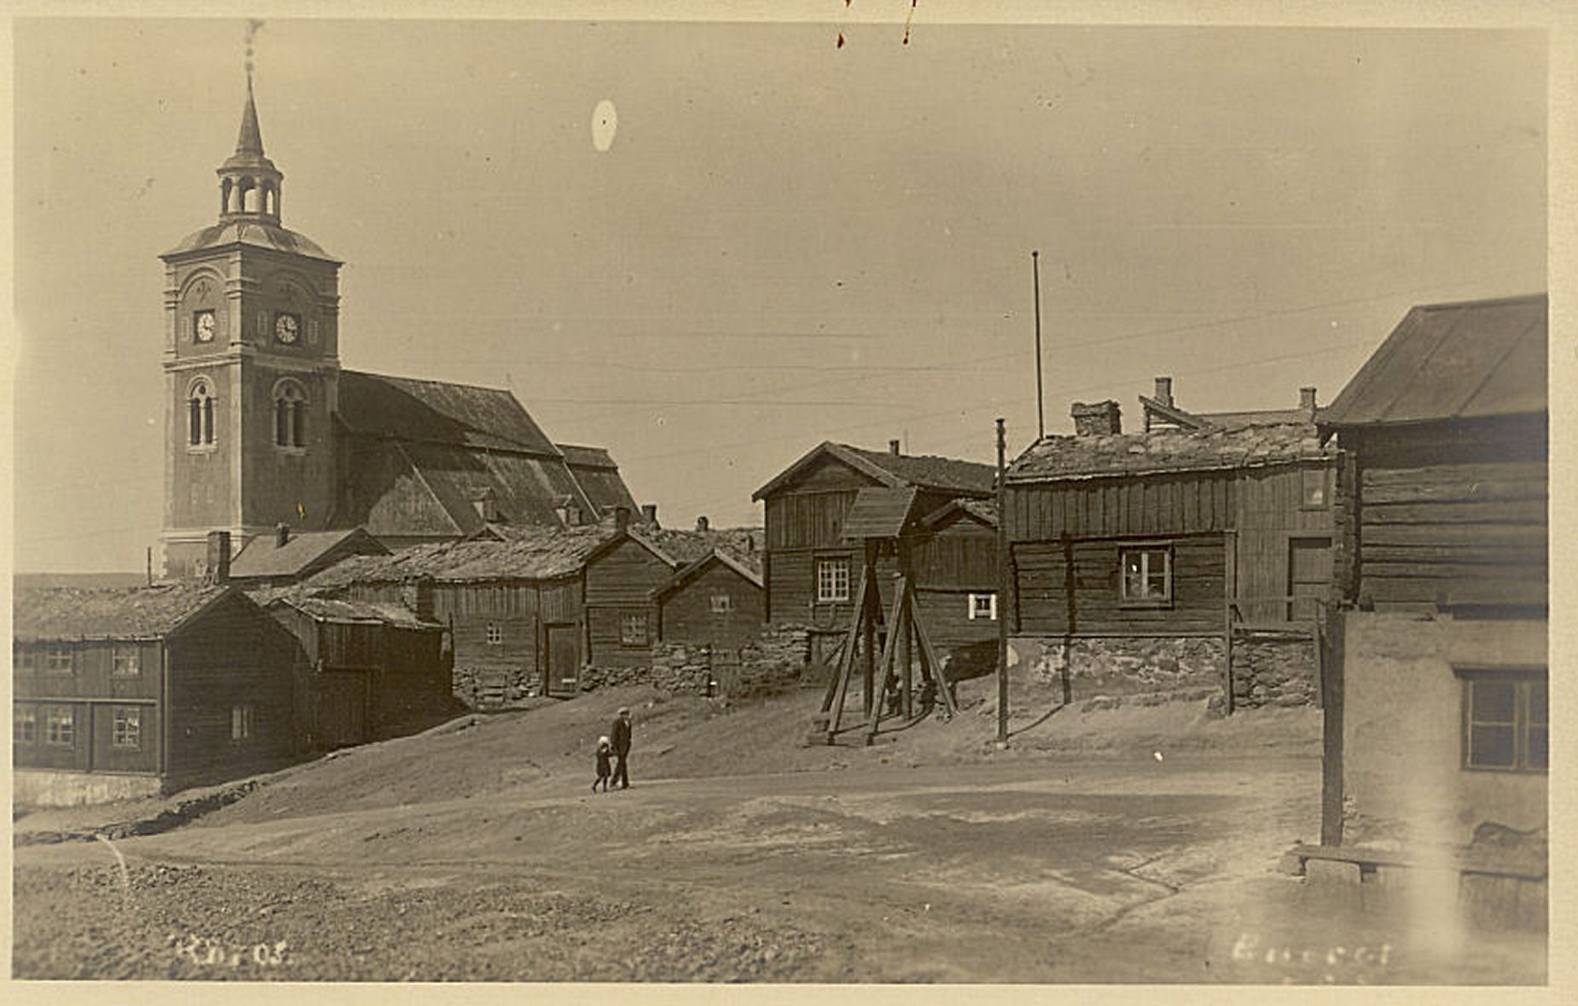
(24, 724)
(126, 661)
(983, 606)
(495, 634)
(128, 727)
(832, 580)
(241, 722)
(1145, 575)
(60, 726)
(58, 659)
(633, 629)
(1315, 490)
(722, 604)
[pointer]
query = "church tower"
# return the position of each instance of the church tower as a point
(251, 364)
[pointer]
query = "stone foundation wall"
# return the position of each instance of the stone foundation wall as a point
(1275, 669)
(770, 662)
(494, 687)
(1269, 668)
(46, 788)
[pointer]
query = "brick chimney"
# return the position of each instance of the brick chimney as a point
(1164, 391)
(1097, 419)
(649, 514)
(621, 518)
(701, 523)
(219, 556)
(281, 535)
(1307, 400)
(893, 447)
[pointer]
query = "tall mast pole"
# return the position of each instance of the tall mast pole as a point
(1041, 422)
(1002, 589)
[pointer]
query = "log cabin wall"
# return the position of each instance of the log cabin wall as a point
(619, 584)
(233, 657)
(1282, 510)
(805, 524)
(949, 564)
(686, 614)
(1452, 514)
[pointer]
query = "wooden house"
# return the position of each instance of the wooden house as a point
(954, 557)
(718, 600)
(365, 669)
(1437, 712)
(812, 566)
(128, 692)
(1124, 546)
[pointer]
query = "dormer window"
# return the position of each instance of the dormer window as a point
(200, 415)
(290, 415)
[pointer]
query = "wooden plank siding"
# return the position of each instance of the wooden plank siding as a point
(685, 614)
(1154, 504)
(1452, 514)
(619, 582)
(1071, 587)
(234, 654)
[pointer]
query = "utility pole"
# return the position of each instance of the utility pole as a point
(1002, 591)
(150, 565)
(1041, 419)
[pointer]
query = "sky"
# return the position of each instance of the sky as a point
(782, 241)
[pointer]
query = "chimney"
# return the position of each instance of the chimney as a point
(219, 556)
(281, 535)
(1307, 400)
(701, 523)
(649, 514)
(893, 447)
(1099, 419)
(621, 518)
(1164, 391)
(417, 594)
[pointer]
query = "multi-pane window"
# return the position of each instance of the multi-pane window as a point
(57, 660)
(240, 722)
(24, 659)
(200, 415)
(60, 725)
(1506, 720)
(1314, 487)
(24, 724)
(495, 634)
(722, 604)
(983, 606)
(633, 629)
(128, 727)
(1147, 574)
(832, 580)
(126, 661)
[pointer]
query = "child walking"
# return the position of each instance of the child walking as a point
(605, 768)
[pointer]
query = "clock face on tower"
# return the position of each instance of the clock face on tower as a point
(287, 328)
(203, 326)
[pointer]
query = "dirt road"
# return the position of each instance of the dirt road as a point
(1025, 870)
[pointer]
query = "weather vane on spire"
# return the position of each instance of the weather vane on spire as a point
(253, 24)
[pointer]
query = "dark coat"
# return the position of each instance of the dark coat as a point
(604, 766)
(620, 736)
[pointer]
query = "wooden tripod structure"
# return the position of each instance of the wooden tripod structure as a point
(904, 627)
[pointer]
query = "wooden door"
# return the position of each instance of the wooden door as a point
(342, 708)
(1309, 575)
(564, 659)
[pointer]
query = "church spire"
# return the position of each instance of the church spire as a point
(249, 184)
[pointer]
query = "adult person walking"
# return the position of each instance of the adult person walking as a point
(620, 735)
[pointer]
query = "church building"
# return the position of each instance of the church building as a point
(267, 435)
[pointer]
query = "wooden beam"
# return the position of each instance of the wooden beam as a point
(846, 661)
(889, 653)
(931, 656)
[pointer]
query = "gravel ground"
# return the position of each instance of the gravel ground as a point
(223, 923)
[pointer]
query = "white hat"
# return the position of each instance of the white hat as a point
(603, 740)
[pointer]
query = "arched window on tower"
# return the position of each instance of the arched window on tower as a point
(199, 415)
(290, 415)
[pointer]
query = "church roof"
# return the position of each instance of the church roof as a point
(253, 232)
(438, 412)
(599, 477)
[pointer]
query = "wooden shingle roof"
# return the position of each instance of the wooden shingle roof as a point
(879, 513)
(1213, 447)
(71, 613)
(438, 412)
(896, 471)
